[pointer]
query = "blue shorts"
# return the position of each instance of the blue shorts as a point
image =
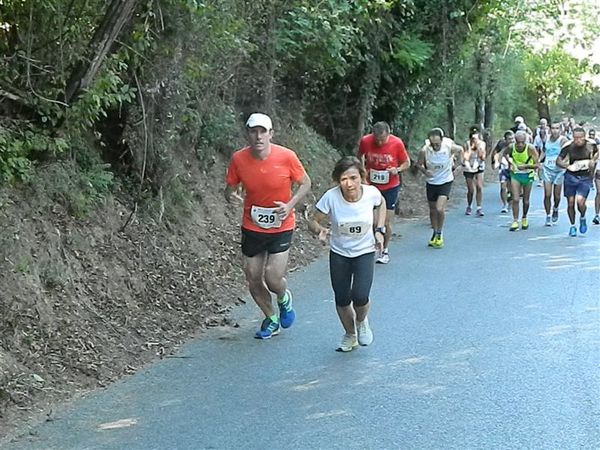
(552, 176)
(577, 185)
(504, 175)
(391, 197)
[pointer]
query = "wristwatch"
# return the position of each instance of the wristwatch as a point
(380, 230)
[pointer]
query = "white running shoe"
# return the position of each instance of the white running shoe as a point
(349, 343)
(383, 259)
(365, 334)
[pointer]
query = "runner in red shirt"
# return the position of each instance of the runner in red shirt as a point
(267, 173)
(384, 156)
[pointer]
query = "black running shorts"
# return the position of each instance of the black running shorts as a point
(470, 175)
(254, 243)
(437, 190)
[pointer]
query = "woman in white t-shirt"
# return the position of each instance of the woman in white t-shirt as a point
(352, 207)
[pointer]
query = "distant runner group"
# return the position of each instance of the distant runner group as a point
(360, 206)
(563, 159)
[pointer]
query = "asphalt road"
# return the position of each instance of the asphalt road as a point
(491, 342)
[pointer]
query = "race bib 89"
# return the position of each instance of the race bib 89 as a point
(354, 229)
(265, 217)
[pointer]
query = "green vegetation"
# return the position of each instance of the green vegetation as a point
(137, 81)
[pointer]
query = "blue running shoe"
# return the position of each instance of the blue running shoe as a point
(287, 315)
(582, 225)
(573, 231)
(268, 329)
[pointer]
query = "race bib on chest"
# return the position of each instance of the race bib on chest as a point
(583, 164)
(353, 229)
(379, 176)
(265, 217)
(550, 161)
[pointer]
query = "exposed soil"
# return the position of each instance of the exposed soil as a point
(87, 302)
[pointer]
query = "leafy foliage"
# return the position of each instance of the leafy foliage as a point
(187, 72)
(18, 145)
(557, 74)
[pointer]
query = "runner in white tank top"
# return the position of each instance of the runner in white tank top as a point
(437, 159)
(474, 153)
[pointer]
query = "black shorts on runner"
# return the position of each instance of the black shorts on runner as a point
(437, 190)
(471, 174)
(254, 243)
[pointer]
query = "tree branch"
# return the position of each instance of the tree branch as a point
(116, 17)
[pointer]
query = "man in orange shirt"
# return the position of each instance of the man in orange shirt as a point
(267, 173)
(384, 156)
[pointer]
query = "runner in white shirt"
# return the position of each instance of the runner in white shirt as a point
(352, 207)
(473, 161)
(436, 160)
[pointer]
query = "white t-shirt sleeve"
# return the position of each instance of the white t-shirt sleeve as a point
(324, 203)
(374, 194)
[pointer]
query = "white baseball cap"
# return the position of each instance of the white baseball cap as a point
(519, 119)
(259, 120)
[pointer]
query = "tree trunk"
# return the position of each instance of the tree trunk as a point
(488, 116)
(542, 103)
(446, 79)
(451, 116)
(116, 17)
(479, 111)
(488, 119)
(269, 95)
(480, 93)
(367, 95)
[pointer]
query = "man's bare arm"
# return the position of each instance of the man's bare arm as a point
(231, 193)
(285, 209)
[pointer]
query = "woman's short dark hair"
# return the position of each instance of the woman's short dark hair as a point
(347, 162)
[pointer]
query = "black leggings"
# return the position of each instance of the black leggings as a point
(351, 278)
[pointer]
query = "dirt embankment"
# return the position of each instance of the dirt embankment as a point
(86, 302)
